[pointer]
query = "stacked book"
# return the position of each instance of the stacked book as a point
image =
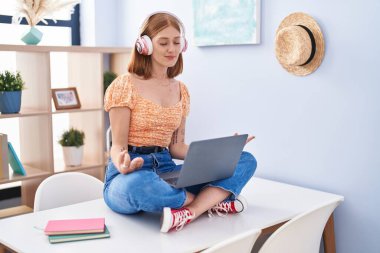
(76, 230)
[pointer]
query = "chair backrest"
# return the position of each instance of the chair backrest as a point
(242, 243)
(108, 139)
(65, 189)
(302, 234)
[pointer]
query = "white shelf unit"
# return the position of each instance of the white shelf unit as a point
(38, 119)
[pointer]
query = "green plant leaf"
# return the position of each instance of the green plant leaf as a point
(11, 81)
(72, 137)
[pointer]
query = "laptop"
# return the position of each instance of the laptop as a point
(207, 161)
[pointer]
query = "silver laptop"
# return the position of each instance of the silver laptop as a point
(207, 161)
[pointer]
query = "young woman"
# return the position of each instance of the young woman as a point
(148, 110)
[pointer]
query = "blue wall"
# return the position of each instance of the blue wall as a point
(319, 131)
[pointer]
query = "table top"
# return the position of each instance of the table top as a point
(269, 203)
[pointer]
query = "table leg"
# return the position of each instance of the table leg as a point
(329, 236)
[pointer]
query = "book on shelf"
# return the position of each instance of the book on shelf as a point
(79, 237)
(15, 163)
(4, 168)
(75, 226)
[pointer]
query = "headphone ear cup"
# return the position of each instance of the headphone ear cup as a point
(144, 45)
(183, 45)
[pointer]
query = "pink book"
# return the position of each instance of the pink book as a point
(75, 226)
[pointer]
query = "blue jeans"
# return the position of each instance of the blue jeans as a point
(144, 190)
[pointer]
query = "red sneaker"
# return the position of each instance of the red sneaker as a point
(175, 219)
(229, 206)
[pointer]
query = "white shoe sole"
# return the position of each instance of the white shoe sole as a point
(243, 202)
(166, 220)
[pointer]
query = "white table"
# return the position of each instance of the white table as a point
(270, 203)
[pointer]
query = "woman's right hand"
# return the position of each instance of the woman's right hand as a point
(125, 165)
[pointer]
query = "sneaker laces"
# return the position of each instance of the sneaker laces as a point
(181, 218)
(222, 209)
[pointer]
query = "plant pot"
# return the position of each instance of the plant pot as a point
(72, 155)
(32, 37)
(10, 102)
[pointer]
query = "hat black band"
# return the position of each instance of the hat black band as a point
(313, 45)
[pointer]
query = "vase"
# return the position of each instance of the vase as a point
(72, 155)
(32, 37)
(10, 102)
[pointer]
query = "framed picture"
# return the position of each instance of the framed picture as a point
(226, 22)
(65, 98)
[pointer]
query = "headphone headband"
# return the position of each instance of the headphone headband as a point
(144, 44)
(143, 25)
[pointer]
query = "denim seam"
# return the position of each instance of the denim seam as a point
(184, 199)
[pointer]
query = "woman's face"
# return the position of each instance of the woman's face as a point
(166, 47)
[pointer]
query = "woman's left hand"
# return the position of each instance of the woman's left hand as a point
(249, 138)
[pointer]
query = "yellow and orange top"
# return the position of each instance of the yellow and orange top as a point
(150, 123)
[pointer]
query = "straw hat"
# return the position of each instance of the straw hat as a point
(299, 44)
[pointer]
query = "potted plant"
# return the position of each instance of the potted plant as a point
(72, 142)
(11, 85)
(37, 11)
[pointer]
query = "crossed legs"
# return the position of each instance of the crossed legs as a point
(205, 200)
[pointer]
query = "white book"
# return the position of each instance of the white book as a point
(4, 168)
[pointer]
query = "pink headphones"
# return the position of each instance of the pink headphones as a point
(144, 44)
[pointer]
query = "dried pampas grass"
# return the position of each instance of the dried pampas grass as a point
(35, 11)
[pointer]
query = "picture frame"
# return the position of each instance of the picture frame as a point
(226, 22)
(66, 98)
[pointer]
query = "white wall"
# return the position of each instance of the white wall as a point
(319, 131)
